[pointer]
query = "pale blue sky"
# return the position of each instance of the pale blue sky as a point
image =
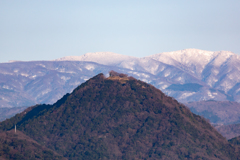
(50, 29)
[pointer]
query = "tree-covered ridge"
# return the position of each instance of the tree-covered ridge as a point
(120, 117)
(19, 146)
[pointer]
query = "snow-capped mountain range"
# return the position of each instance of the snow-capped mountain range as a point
(187, 75)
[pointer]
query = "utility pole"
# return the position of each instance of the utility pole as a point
(15, 128)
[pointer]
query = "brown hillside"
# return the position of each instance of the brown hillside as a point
(19, 146)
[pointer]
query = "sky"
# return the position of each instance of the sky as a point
(46, 30)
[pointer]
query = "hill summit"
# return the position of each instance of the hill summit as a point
(119, 117)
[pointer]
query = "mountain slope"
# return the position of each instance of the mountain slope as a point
(19, 146)
(29, 83)
(192, 60)
(10, 112)
(229, 131)
(235, 141)
(217, 74)
(121, 118)
(219, 70)
(218, 112)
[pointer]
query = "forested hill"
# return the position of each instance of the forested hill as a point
(18, 146)
(120, 117)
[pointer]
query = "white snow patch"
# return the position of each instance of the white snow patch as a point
(46, 91)
(215, 71)
(106, 58)
(179, 78)
(6, 87)
(237, 90)
(128, 65)
(164, 86)
(34, 76)
(185, 95)
(153, 69)
(211, 81)
(234, 76)
(65, 78)
(166, 74)
(42, 65)
(145, 75)
(145, 80)
(160, 82)
(62, 70)
(5, 99)
(136, 73)
(226, 85)
(210, 94)
(162, 68)
(75, 83)
(186, 57)
(71, 72)
(24, 74)
(90, 67)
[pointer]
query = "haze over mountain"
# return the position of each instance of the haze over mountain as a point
(229, 131)
(187, 75)
(120, 117)
(223, 115)
(218, 112)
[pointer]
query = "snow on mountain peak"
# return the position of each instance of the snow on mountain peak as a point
(191, 58)
(183, 56)
(216, 72)
(106, 58)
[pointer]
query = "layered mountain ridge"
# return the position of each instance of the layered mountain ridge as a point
(119, 117)
(187, 75)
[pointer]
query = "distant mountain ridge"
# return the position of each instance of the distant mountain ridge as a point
(218, 70)
(229, 131)
(187, 75)
(105, 58)
(218, 112)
